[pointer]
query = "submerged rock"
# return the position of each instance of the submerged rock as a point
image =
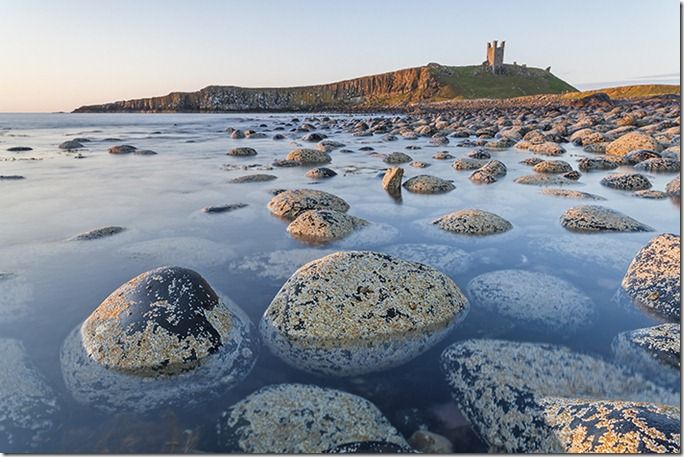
(166, 325)
(299, 418)
(323, 225)
(533, 297)
(626, 181)
(565, 193)
(11, 177)
(357, 312)
(507, 390)
(443, 257)
(653, 278)
(654, 351)
(292, 203)
(144, 152)
(594, 218)
(70, 145)
(122, 149)
(242, 152)
(303, 156)
(253, 178)
(28, 406)
(473, 222)
(223, 208)
(98, 233)
(431, 443)
(427, 184)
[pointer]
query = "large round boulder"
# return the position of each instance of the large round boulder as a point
(473, 222)
(595, 218)
(653, 278)
(300, 418)
(505, 389)
(292, 203)
(323, 225)
(426, 184)
(357, 312)
(631, 142)
(161, 338)
(533, 298)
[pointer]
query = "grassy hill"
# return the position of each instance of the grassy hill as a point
(636, 91)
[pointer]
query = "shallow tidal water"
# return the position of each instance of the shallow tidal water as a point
(52, 284)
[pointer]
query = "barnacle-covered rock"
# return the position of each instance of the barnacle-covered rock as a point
(163, 337)
(299, 418)
(323, 225)
(588, 164)
(292, 203)
(626, 181)
(505, 390)
(532, 297)
(473, 222)
(594, 218)
(356, 312)
(653, 279)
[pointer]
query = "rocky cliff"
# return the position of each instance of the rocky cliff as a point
(396, 89)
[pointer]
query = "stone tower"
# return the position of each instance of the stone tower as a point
(495, 55)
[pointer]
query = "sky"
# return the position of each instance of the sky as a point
(57, 55)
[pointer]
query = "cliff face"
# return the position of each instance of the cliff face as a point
(387, 90)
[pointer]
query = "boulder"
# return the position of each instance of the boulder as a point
(653, 277)
(70, 145)
(391, 181)
(305, 156)
(543, 179)
(631, 142)
(299, 418)
(469, 164)
(552, 166)
(565, 193)
(626, 181)
(320, 173)
(673, 188)
(291, 203)
(634, 157)
(242, 152)
(489, 172)
(323, 225)
(357, 312)
(122, 149)
(397, 157)
(98, 233)
(587, 164)
(594, 218)
(473, 222)
(427, 184)
(252, 178)
(658, 165)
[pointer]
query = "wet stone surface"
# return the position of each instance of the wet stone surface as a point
(594, 218)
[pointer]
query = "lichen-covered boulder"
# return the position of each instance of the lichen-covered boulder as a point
(543, 179)
(653, 278)
(659, 165)
(426, 184)
(473, 222)
(631, 142)
(653, 351)
(161, 338)
(552, 166)
(292, 203)
(566, 193)
(242, 152)
(547, 148)
(397, 157)
(300, 418)
(320, 173)
(626, 181)
(588, 164)
(357, 312)
(305, 156)
(544, 300)
(28, 406)
(323, 225)
(594, 218)
(634, 157)
(674, 187)
(504, 389)
(611, 427)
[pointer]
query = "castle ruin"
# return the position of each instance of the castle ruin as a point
(495, 56)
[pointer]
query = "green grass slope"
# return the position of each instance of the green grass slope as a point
(636, 91)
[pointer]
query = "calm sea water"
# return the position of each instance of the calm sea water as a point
(247, 254)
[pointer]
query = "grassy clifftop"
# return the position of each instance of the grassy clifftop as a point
(624, 92)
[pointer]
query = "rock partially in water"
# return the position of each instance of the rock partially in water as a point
(237, 135)
(357, 312)
(70, 145)
(391, 181)
(573, 175)
(505, 389)
(543, 179)
(442, 155)
(655, 352)
(11, 177)
(531, 161)
(122, 149)
(419, 164)
(673, 188)
(443, 257)
(397, 157)
(323, 225)
(650, 194)
(164, 337)
(626, 181)
(489, 173)
(320, 173)
(632, 141)
(98, 233)
(303, 156)
(613, 427)
(439, 140)
(594, 218)
(588, 164)
(427, 184)
(532, 297)
(143, 152)
(565, 193)
(28, 406)
(634, 157)
(479, 154)
(552, 166)
(473, 222)
(313, 137)
(653, 279)
(253, 178)
(292, 203)
(547, 148)
(469, 164)
(19, 149)
(431, 443)
(658, 165)
(242, 152)
(223, 208)
(299, 418)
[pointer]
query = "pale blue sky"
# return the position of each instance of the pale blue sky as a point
(60, 54)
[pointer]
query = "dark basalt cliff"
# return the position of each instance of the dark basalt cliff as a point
(396, 89)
